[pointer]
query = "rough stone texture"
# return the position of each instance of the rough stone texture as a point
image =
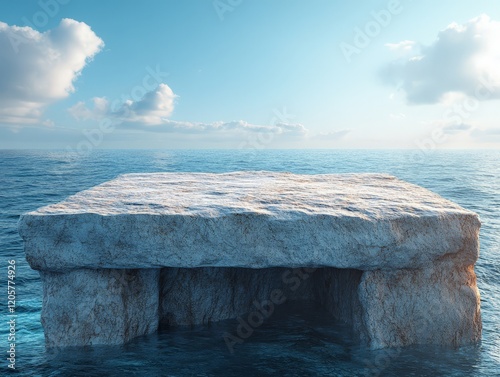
(257, 220)
(85, 307)
(435, 305)
(394, 260)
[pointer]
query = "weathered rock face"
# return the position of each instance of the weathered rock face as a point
(435, 305)
(83, 307)
(391, 258)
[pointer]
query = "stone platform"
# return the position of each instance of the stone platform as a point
(392, 259)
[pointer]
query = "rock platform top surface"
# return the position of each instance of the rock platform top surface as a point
(279, 195)
(249, 219)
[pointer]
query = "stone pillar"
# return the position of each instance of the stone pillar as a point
(436, 305)
(109, 306)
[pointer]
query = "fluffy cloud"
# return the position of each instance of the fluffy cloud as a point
(463, 59)
(151, 113)
(151, 110)
(37, 69)
(99, 110)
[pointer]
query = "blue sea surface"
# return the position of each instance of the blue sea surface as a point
(297, 340)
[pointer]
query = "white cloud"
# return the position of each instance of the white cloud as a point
(403, 47)
(452, 129)
(151, 113)
(467, 134)
(99, 110)
(486, 135)
(233, 127)
(37, 69)
(333, 135)
(463, 59)
(151, 110)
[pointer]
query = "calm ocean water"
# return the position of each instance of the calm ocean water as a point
(297, 341)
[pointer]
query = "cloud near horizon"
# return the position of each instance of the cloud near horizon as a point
(297, 129)
(152, 109)
(151, 113)
(463, 58)
(37, 69)
(452, 129)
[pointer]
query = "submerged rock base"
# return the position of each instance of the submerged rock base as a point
(385, 308)
(143, 251)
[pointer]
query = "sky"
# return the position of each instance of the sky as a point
(86, 74)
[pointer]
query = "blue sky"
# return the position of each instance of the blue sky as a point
(249, 74)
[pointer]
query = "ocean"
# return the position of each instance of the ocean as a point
(304, 343)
